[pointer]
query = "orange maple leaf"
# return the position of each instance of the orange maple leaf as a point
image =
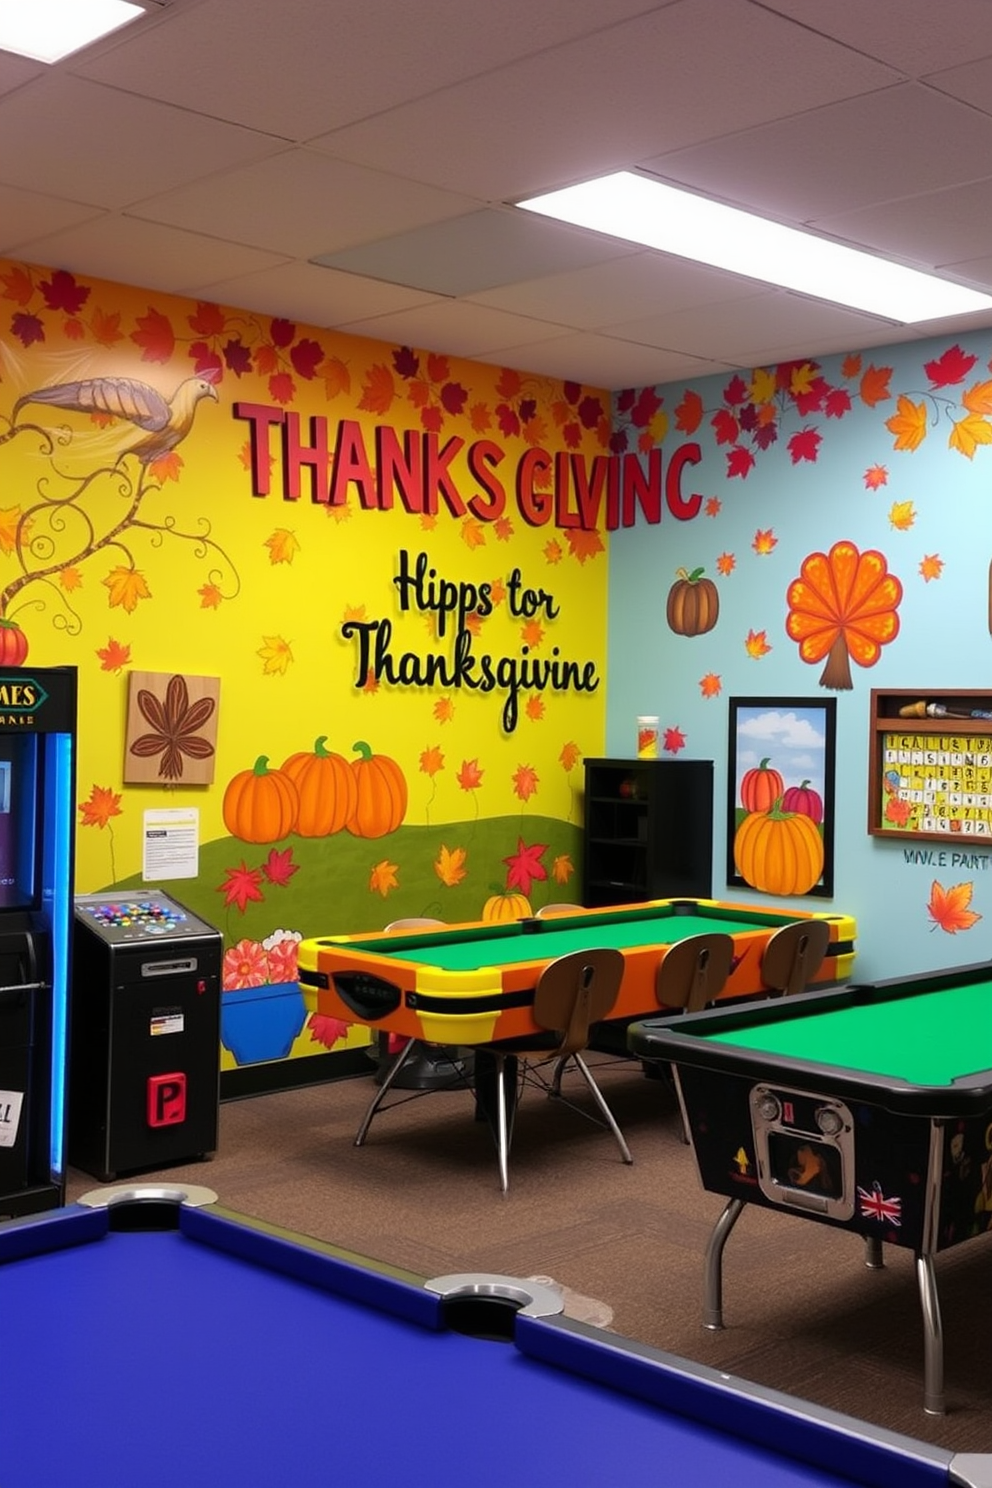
(509, 384)
(532, 634)
(562, 868)
(266, 359)
(210, 597)
(968, 433)
(931, 567)
(764, 542)
(503, 528)
(444, 710)
(473, 533)
(710, 685)
(449, 865)
(875, 385)
(948, 908)
(113, 656)
(167, 467)
(713, 506)
(480, 418)
(850, 366)
(584, 544)
(337, 378)
(689, 413)
(553, 551)
(207, 319)
(535, 431)
(101, 805)
(756, 644)
(17, 286)
(383, 878)
(725, 564)
(978, 399)
(570, 756)
(902, 515)
(497, 591)
(431, 760)
(71, 579)
(525, 782)
(127, 586)
(876, 476)
(155, 336)
(469, 777)
(909, 424)
(282, 545)
(534, 708)
(378, 390)
(106, 327)
(419, 392)
(353, 612)
(276, 655)
(10, 516)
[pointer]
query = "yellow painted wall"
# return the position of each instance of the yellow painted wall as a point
(130, 539)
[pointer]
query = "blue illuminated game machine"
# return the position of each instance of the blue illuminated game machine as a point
(37, 809)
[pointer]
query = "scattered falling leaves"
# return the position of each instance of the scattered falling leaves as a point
(210, 597)
(473, 533)
(713, 506)
(756, 644)
(525, 782)
(101, 804)
(283, 546)
(378, 390)
(710, 686)
(431, 760)
(532, 634)
(449, 865)
(562, 868)
(10, 516)
(553, 551)
(534, 708)
(902, 515)
(764, 542)
(874, 387)
(469, 777)
(383, 878)
(279, 867)
(444, 710)
(570, 756)
(952, 367)
(276, 655)
(126, 586)
(326, 1031)
(909, 424)
(968, 433)
(931, 567)
(584, 543)
(876, 476)
(948, 908)
(70, 577)
(725, 564)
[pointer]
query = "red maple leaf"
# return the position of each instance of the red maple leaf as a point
(689, 413)
(525, 866)
(27, 328)
(155, 336)
(453, 397)
(953, 366)
(837, 403)
(406, 363)
(113, 656)
(282, 331)
(279, 867)
(206, 361)
(506, 417)
(241, 885)
(875, 476)
(725, 426)
(438, 368)
(306, 356)
(237, 356)
(207, 319)
(325, 1030)
(590, 411)
(673, 741)
(282, 388)
(740, 461)
(645, 408)
(735, 392)
(805, 446)
(61, 292)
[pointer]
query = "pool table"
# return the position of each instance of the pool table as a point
(473, 983)
(868, 1108)
(152, 1337)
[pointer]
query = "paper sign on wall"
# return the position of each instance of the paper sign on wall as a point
(171, 844)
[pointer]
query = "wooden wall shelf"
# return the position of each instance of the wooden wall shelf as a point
(930, 766)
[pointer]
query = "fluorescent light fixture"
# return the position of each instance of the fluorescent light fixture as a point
(48, 30)
(643, 210)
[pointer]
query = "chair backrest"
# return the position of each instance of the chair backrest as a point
(575, 991)
(693, 971)
(794, 954)
(413, 922)
(547, 910)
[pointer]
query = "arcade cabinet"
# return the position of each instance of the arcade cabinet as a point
(37, 806)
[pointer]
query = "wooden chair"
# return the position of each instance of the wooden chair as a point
(572, 993)
(693, 972)
(793, 955)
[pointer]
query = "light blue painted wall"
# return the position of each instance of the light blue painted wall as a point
(944, 639)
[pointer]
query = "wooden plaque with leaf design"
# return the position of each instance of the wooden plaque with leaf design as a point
(171, 736)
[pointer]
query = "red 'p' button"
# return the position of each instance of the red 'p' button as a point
(166, 1099)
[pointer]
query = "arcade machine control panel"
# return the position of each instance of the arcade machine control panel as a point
(144, 1069)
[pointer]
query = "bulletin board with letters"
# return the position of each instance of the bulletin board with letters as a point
(931, 766)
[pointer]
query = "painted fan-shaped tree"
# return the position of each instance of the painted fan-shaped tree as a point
(844, 604)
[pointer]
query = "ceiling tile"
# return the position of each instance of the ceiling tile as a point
(804, 168)
(315, 296)
(24, 215)
(300, 203)
(933, 228)
(457, 329)
(649, 85)
(114, 247)
(916, 36)
(605, 362)
(477, 251)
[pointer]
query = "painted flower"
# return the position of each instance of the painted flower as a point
(282, 960)
(245, 965)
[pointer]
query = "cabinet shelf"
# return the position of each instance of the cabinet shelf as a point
(648, 830)
(930, 766)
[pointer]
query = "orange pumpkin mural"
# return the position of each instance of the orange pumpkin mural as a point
(260, 805)
(761, 788)
(381, 794)
(693, 603)
(506, 905)
(326, 788)
(779, 852)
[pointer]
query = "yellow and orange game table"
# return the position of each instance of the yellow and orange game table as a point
(473, 983)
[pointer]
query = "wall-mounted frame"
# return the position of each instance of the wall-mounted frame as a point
(171, 729)
(930, 766)
(780, 795)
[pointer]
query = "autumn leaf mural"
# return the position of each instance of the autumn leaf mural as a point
(844, 604)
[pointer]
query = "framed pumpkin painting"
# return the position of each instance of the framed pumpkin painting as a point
(780, 788)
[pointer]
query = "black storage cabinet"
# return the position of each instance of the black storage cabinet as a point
(144, 1070)
(648, 830)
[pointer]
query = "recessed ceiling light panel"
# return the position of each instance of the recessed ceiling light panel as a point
(48, 30)
(643, 210)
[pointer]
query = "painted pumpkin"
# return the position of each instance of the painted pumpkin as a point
(804, 800)
(693, 603)
(13, 644)
(326, 788)
(260, 805)
(507, 905)
(761, 788)
(779, 852)
(381, 794)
